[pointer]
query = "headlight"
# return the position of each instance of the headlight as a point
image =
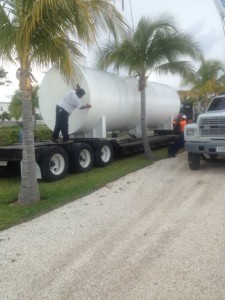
(190, 131)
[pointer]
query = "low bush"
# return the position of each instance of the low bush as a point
(11, 134)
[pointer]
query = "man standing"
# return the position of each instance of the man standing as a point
(179, 143)
(64, 109)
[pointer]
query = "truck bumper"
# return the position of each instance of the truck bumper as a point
(196, 147)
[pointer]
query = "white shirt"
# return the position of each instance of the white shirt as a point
(70, 101)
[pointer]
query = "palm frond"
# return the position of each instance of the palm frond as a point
(156, 45)
(51, 31)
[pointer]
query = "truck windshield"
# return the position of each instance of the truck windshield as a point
(217, 104)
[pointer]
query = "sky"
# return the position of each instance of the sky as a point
(200, 18)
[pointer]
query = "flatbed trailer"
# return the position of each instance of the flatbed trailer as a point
(55, 160)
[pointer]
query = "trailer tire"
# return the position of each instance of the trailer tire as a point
(54, 163)
(11, 170)
(104, 154)
(194, 160)
(81, 158)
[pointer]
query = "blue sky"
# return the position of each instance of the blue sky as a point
(198, 17)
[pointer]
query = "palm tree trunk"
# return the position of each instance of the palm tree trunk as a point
(148, 152)
(29, 192)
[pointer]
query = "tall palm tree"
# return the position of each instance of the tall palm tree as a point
(207, 80)
(155, 46)
(43, 32)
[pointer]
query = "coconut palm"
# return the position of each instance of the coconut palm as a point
(155, 46)
(206, 81)
(43, 32)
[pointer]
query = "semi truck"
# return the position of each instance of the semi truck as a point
(205, 139)
(116, 107)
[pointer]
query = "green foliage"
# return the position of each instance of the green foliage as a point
(51, 32)
(42, 133)
(5, 116)
(3, 73)
(11, 135)
(3, 79)
(156, 45)
(206, 81)
(72, 187)
(15, 106)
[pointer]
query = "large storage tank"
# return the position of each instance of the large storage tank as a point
(111, 96)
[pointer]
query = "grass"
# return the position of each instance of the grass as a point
(70, 188)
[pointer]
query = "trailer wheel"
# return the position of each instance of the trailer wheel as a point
(103, 154)
(54, 163)
(81, 158)
(11, 170)
(194, 160)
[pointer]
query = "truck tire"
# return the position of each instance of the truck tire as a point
(194, 160)
(54, 163)
(81, 158)
(213, 157)
(103, 154)
(11, 170)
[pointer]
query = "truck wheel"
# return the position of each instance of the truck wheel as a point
(54, 163)
(81, 158)
(103, 154)
(213, 157)
(194, 160)
(11, 170)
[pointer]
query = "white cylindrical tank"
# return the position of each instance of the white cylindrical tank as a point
(117, 98)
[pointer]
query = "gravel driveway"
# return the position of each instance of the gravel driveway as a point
(155, 234)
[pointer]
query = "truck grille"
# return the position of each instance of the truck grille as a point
(212, 126)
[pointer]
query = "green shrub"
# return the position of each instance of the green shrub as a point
(11, 134)
(42, 133)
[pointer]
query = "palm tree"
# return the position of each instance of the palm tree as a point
(206, 81)
(155, 46)
(43, 32)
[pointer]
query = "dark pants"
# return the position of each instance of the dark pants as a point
(178, 144)
(61, 124)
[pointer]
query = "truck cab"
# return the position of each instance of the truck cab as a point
(205, 139)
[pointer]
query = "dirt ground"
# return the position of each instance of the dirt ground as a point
(158, 233)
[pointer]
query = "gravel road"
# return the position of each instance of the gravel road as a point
(155, 234)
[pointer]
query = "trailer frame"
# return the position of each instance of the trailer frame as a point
(55, 160)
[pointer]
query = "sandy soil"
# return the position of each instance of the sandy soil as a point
(155, 234)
